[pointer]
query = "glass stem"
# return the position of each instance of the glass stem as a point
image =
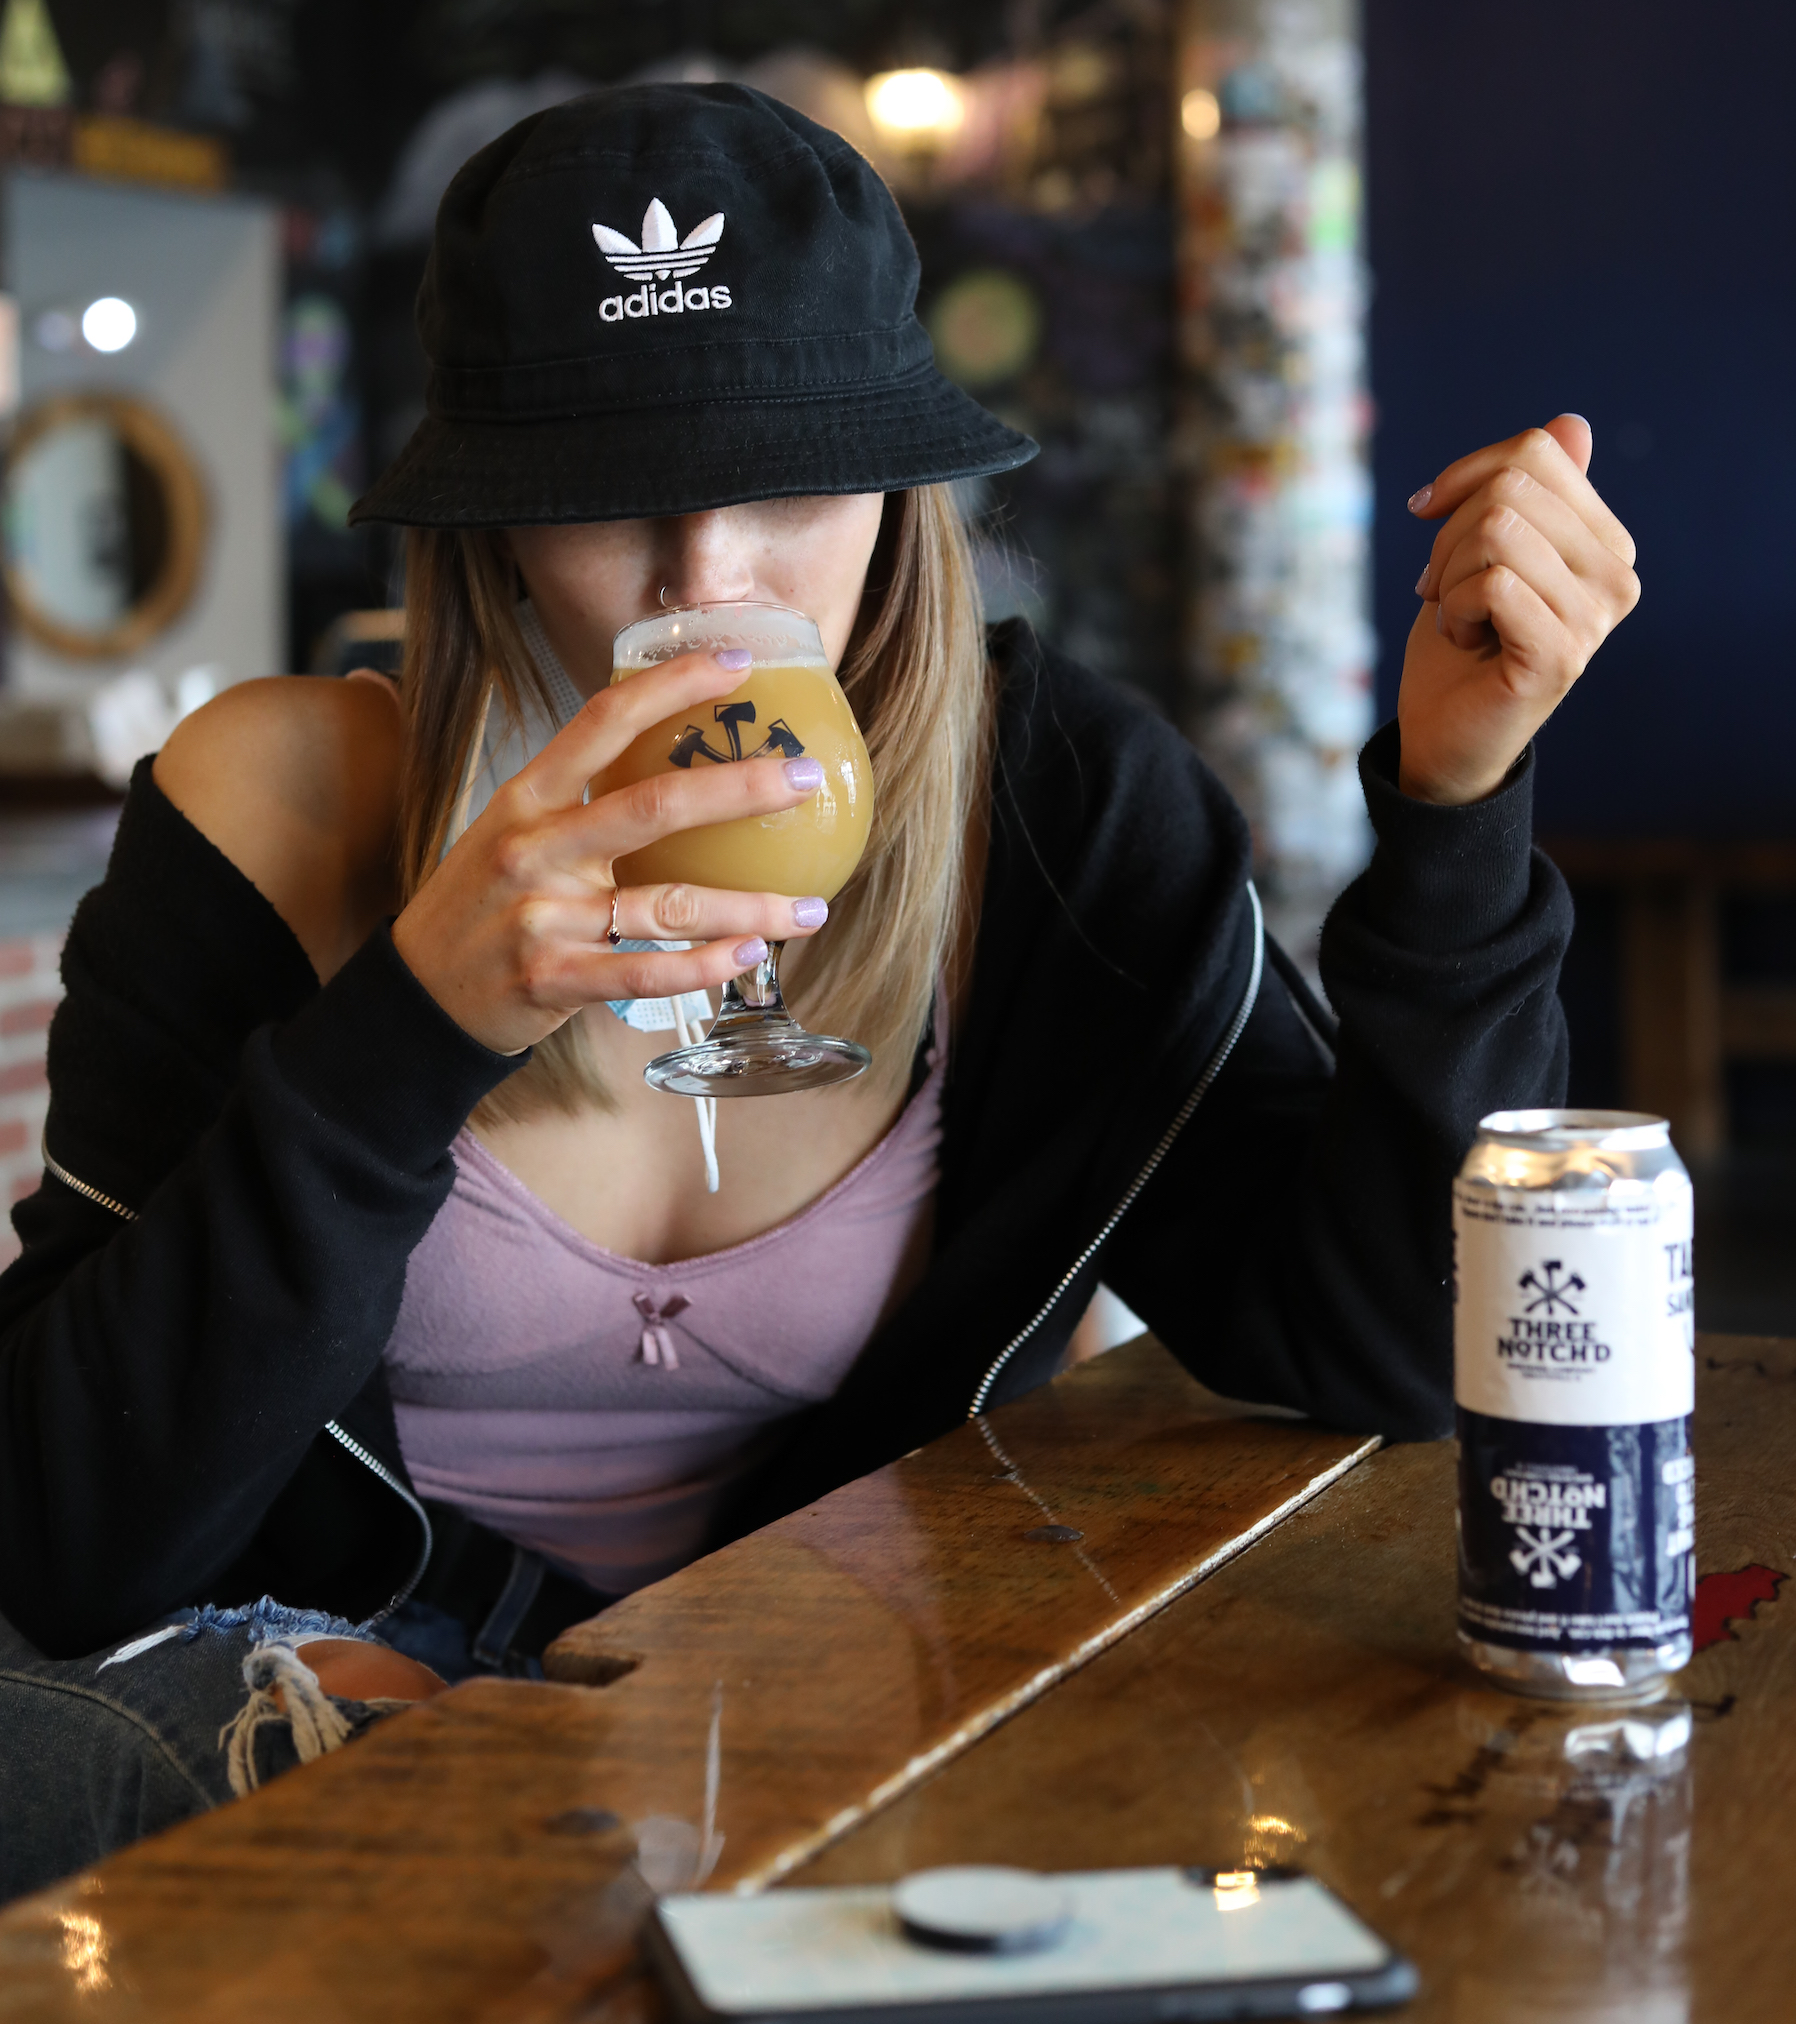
(754, 996)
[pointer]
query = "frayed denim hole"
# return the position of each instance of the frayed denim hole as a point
(267, 1621)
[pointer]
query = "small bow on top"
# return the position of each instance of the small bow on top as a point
(657, 1345)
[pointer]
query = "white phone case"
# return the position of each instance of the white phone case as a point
(1144, 1945)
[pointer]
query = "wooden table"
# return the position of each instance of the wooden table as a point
(827, 1702)
(754, 1707)
(1307, 1705)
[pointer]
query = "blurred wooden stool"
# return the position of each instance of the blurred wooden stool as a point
(1680, 1019)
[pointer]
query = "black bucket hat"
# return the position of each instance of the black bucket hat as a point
(662, 298)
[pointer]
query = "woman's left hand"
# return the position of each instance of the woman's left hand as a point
(1524, 583)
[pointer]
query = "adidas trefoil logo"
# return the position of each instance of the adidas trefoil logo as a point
(662, 252)
(662, 256)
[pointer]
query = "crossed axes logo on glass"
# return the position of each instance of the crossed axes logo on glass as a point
(692, 743)
(662, 256)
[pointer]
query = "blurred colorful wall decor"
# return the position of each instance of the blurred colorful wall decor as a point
(1273, 433)
(321, 426)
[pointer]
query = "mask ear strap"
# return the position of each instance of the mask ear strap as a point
(706, 1106)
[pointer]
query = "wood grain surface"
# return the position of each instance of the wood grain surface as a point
(757, 1705)
(1308, 1706)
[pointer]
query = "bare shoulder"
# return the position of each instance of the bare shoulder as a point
(320, 748)
(296, 780)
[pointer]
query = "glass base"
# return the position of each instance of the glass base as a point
(1612, 1676)
(764, 1057)
(756, 1048)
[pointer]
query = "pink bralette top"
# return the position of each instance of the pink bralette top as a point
(595, 1408)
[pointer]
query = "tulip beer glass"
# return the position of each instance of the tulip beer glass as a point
(789, 704)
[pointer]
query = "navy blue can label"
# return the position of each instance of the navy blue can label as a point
(1575, 1377)
(1575, 1538)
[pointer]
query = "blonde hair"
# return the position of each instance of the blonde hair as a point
(916, 675)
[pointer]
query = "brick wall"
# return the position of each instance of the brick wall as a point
(29, 989)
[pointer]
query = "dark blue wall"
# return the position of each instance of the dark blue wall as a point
(1593, 206)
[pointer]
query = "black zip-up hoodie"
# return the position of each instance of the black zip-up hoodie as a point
(183, 1394)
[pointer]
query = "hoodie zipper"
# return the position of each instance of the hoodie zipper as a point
(340, 1435)
(372, 1461)
(1200, 1089)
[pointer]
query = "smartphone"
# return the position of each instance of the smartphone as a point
(1139, 1946)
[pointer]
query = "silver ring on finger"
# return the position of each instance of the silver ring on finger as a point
(611, 933)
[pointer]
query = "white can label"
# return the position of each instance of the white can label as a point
(1574, 1316)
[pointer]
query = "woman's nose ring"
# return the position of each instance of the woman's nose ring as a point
(664, 597)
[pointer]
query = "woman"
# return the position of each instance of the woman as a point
(338, 1293)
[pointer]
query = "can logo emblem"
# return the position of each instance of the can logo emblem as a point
(1545, 1557)
(1551, 1293)
(1547, 1508)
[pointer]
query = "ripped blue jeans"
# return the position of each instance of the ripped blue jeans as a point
(97, 1752)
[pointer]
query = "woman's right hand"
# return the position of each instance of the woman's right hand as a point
(508, 934)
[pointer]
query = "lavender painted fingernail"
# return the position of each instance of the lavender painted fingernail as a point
(810, 913)
(747, 954)
(1422, 580)
(733, 659)
(804, 774)
(1418, 501)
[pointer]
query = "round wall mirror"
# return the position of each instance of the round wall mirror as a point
(105, 525)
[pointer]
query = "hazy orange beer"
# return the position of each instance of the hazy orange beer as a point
(788, 706)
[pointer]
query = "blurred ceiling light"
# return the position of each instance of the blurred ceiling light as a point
(916, 106)
(109, 324)
(1200, 114)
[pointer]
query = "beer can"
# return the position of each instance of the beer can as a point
(1575, 1377)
